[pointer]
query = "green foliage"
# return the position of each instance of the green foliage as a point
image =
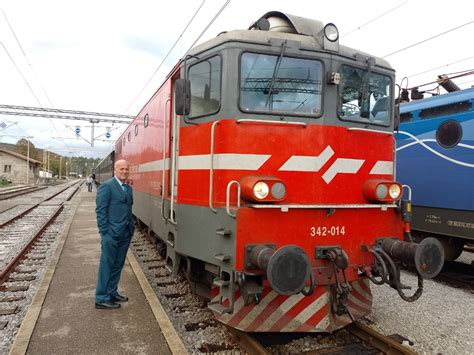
(76, 165)
(3, 182)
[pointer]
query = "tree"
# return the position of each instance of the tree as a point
(22, 148)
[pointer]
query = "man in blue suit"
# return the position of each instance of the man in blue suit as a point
(114, 218)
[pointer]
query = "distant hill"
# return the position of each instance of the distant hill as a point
(79, 165)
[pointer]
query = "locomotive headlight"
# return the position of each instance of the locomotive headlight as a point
(278, 190)
(394, 191)
(381, 191)
(331, 32)
(261, 190)
(378, 190)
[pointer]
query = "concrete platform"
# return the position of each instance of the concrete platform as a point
(62, 318)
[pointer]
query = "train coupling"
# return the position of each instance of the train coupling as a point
(286, 268)
(389, 253)
(427, 256)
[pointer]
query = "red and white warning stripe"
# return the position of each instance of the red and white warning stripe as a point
(297, 313)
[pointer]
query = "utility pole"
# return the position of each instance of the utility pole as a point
(28, 159)
(28, 163)
(60, 163)
(93, 122)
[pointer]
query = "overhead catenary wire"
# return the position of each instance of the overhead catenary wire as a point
(374, 19)
(20, 72)
(428, 39)
(207, 27)
(458, 75)
(27, 59)
(166, 56)
(24, 78)
(442, 66)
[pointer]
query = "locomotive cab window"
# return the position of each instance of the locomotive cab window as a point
(278, 84)
(205, 78)
(363, 98)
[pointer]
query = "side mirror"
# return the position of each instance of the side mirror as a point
(182, 96)
(396, 124)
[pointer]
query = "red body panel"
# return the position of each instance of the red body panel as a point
(311, 228)
(147, 145)
(281, 143)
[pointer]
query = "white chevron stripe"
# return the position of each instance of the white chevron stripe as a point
(342, 166)
(308, 163)
(383, 168)
(222, 161)
(257, 310)
(307, 313)
(284, 307)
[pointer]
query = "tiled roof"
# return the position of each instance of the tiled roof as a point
(20, 156)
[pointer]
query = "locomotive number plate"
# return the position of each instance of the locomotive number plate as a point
(329, 231)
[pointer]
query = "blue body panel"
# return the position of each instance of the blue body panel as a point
(439, 177)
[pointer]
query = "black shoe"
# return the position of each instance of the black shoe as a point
(119, 298)
(107, 305)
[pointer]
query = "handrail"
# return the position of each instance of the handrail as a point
(245, 120)
(369, 130)
(408, 189)
(285, 208)
(175, 123)
(211, 171)
(163, 190)
(227, 199)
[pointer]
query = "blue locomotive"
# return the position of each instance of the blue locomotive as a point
(435, 157)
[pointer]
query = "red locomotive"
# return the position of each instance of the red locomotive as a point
(264, 167)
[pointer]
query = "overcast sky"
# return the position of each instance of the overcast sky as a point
(98, 55)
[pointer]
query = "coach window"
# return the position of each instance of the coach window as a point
(145, 120)
(274, 84)
(205, 78)
(364, 99)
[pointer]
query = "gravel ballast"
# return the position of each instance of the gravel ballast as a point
(439, 322)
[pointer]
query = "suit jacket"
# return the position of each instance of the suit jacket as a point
(114, 209)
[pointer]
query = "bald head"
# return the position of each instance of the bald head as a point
(122, 169)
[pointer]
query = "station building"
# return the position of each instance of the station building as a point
(13, 167)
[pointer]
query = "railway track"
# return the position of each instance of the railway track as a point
(18, 191)
(54, 194)
(355, 338)
(201, 332)
(458, 274)
(21, 227)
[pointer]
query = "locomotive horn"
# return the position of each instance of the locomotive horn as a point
(287, 268)
(428, 256)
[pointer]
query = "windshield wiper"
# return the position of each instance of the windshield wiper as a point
(365, 103)
(275, 72)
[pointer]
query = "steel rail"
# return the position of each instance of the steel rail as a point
(382, 342)
(9, 267)
(250, 345)
(11, 194)
(21, 214)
